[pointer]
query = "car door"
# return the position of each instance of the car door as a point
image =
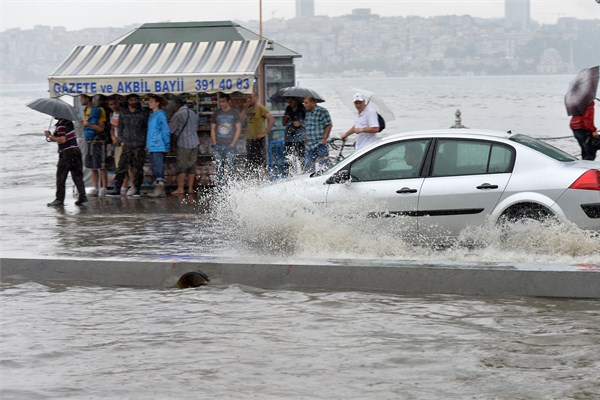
(385, 183)
(466, 182)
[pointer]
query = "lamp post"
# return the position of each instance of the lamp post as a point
(261, 66)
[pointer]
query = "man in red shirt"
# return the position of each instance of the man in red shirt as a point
(585, 132)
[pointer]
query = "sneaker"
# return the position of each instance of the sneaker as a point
(102, 192)
(55, 203)
(80, 201)
(93, 192)
(131, 191)
(114, 193)
(136, 194)
(123, 192)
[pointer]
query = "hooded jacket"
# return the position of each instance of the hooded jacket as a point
(159, 137)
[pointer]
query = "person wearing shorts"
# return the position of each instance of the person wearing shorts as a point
(94, 120)
(184, 126)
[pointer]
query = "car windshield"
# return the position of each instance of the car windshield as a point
(543, 147)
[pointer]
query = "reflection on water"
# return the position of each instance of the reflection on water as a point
(236, 342)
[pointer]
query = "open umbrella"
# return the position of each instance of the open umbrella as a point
(55, 107)
(582, 90)
(346, 94)
(297, 92)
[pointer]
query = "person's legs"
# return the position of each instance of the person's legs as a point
(219, 159)
(255, 154)
(230, 163)
(323, 156)
(180, 182)
(121, 173)
(76, 169)
(89, 164)
(103, 168)
(583, 138)
(157, 163)
(310, 156)
(62, 170)
(138, 157)
(191, 170)
(104, 178)
(95, 182)
(191, 180)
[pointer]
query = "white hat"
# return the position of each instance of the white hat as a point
(359, 97)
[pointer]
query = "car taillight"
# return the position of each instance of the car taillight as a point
(590, 180)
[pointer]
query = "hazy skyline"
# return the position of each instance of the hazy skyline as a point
(78, 14)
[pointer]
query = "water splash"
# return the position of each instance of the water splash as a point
(284, 224)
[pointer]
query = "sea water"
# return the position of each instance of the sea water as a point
(234, 342)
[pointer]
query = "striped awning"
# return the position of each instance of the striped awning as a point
(198, 67)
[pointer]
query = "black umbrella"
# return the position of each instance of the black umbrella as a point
(582, 90)
(55, 107)
(296, 92)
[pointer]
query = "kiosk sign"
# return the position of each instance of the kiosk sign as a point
(119, 85)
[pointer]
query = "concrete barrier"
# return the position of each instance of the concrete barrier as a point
(404, 277)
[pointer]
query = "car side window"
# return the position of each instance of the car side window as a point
(501, 159)
(455, 157)
(398, 160)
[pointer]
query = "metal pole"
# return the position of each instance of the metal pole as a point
(261, 66)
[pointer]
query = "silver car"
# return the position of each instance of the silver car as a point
(442, 181)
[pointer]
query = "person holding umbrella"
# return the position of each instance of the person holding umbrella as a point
(69, 160)
(585, 131)
(579, 102)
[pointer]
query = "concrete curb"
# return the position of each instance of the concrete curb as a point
(404, 277)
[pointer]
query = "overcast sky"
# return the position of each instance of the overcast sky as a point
(78, 14)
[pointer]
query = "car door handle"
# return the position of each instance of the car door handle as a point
(487, 186)
(406, 190)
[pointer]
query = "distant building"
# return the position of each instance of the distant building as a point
(362, 13)
(517, 14)
(305, 8)
(552, 63)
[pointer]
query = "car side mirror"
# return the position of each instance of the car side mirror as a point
(342, 176)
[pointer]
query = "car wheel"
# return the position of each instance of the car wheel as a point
(526, 212)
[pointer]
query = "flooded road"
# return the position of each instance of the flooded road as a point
(238, 342)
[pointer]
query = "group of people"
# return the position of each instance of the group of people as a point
(132, 132)
(308, 126)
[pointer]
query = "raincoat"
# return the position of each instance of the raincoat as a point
(159, 137)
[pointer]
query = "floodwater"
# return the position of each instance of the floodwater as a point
(236, 342)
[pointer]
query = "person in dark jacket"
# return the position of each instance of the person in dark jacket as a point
(69, 160)
(133, 126)
(585, 132)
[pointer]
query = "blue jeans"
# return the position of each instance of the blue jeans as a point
(225, 162)
(319, 154)
(157, 160)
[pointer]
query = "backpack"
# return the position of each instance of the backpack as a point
(381, 122)
(93, 118)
